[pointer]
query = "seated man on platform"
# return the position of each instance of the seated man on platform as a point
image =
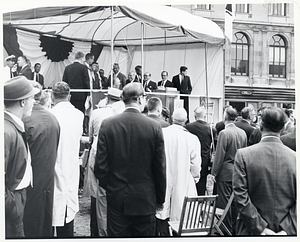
(131, 77)
(148, 84)
(164, 82)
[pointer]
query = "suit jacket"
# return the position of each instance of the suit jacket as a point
(230, 140)
(40, 78)
(167, 84)
(122, 78)
(42, 131)
(151, 86)
(264, 184)
(255, 137)
(16, 156)
(289, 139)
(76, 75)
(244, 125)
(185, 87)
(162, 122)
(26, 71)
(96, 81)
(130, 162)
(128, 81)
(104, 82)
(220, 126)
(202, 130)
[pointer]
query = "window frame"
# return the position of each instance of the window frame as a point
(235, 59)
(274, 47)
(246, 6)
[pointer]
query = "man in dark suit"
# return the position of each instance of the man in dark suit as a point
(230, 140)
(164, 82)
(264, 182)
(24, 67)
(154, 106)
(149, 85)
(139, 73)
(119, 75)
(202, 130)
(104, 81)
(36, 76)
(183, 84)
(76, 75)
(244, 123)
(42, 130)
(96, 76)
(134, 174)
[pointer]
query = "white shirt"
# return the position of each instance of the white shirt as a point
(66, 175)
(27, 178)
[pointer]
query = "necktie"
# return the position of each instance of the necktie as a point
(37, 77)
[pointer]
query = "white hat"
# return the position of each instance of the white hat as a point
(114, 93)
(8, 58)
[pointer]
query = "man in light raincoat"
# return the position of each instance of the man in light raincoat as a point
(183, 168)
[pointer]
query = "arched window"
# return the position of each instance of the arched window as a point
(277, 57)
(240, 55)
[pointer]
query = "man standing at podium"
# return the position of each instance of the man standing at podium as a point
(183, 84)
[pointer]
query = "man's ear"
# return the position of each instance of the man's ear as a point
(22, 102)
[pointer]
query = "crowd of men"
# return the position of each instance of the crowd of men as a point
(140, 167)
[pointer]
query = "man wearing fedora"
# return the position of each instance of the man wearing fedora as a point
(10, 70)
(97, 193)
(18, 103)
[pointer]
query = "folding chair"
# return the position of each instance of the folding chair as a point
(220, 214)
(197, 216)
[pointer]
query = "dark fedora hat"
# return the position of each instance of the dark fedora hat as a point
(18, 88)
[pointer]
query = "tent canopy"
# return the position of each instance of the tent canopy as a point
(163, 24)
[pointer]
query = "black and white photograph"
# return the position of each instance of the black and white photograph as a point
(149, 119)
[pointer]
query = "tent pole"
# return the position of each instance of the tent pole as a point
(112, 45)
(142, 50)
(206, 82)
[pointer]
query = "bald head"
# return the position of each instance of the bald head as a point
(132, 92)
(179, 116)
(200, 113)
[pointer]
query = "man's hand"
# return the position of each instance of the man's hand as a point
(211, 177)
(267, 231)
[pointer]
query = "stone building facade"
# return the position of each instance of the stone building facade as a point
(259, 61)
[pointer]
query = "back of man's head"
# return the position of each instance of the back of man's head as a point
(61, 90)
(131, 92)
(273, 119)
(246, 112)
(230, 114)
(200, 112)
(154, 104)
(179, 116)
(79, 55)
